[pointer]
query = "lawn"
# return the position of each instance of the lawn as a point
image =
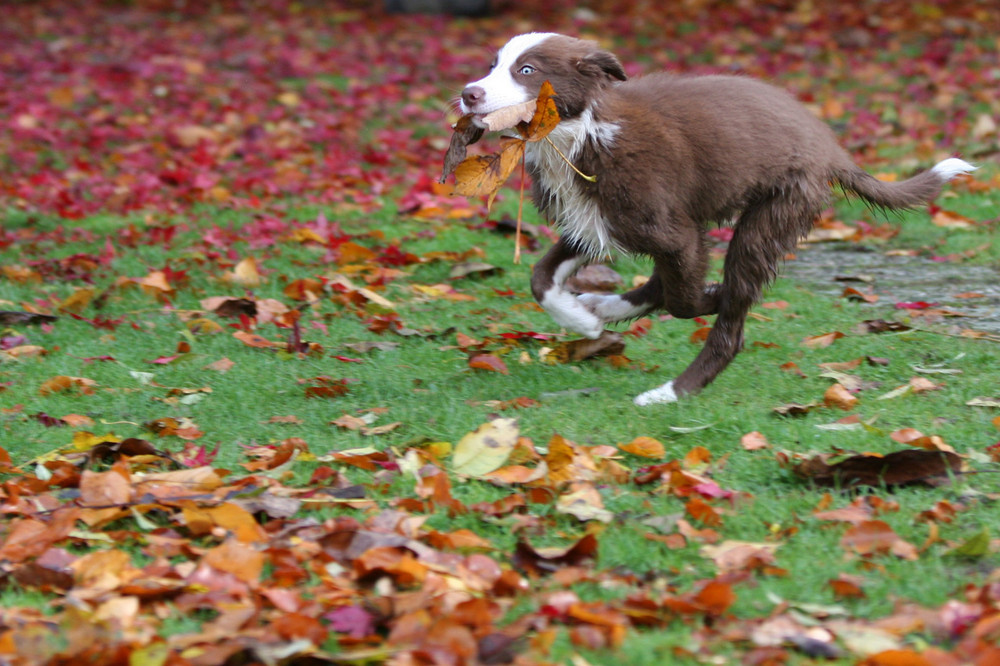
(268, 394)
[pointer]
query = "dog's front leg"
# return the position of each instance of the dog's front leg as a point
(547, 280)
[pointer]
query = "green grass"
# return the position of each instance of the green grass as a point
(426, 384)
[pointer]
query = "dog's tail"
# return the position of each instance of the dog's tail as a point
(909, 193)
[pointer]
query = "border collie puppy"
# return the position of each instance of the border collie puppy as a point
(672, 154)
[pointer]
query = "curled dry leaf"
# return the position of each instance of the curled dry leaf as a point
(894, 469)
(466, 133)
(507, 117)
(610, 343)
(15, 318)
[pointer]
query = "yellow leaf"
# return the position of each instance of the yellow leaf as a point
(77, 301)
(245, 273)
(84, 441)
(486, 448)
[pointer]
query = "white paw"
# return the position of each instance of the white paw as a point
(569, 313)
(611, 307)
(661, 394)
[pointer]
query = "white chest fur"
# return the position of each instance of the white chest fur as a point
(578, 214)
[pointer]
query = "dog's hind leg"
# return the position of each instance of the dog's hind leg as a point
(763, 234)
(547, 285)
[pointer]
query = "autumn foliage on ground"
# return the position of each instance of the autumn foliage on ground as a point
(272, 394)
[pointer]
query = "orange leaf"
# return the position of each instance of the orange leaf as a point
(701, 511)
(62, 383)
(228, 516)
(840, 397)
(254, 340)
(845, 588)
(101, 489)
(952, 220)
(485, 174)
(488, 362)
(715, 597)
(546, 116)
(754, 441)
(237, 558)
(873, 537)
(701, 334)
(646, 447)
(896, 658)
(820, 341)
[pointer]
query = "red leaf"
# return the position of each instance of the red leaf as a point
(488, 362)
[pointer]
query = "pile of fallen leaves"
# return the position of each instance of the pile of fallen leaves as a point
(127, 537)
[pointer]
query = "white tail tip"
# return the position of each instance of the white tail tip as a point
(951, 167)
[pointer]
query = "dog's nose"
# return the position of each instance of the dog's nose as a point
(472, 95)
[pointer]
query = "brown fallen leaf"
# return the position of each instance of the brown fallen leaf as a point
(838, 396)
(796, 409)
(540, 561)
(894, 469)
(880, 326)
(730, 556)
(11, 318)
(225, 306)
(63, 383)
(610, 343)
(852, 294)
(875, 537)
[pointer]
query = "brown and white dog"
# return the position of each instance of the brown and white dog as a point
(671, 155)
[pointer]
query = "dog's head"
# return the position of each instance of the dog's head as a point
(577, 70)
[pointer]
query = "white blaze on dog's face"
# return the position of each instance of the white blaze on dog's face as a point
(505, 85)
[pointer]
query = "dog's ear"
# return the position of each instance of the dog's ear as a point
(602, 63)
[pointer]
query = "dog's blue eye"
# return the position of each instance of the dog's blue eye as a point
(527, 69)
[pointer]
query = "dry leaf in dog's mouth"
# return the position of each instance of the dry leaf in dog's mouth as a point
(533, 119)
(507, 117)
(485, 174)
(467, 132)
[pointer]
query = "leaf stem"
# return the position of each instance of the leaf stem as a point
(592, 179)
